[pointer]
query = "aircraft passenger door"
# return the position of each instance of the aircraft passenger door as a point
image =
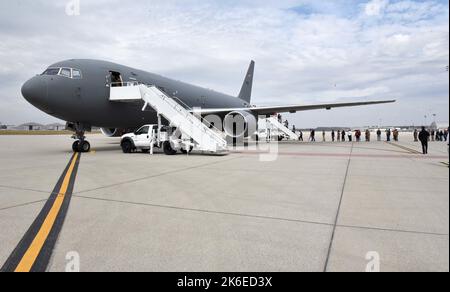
(115, 79)
(143, 137)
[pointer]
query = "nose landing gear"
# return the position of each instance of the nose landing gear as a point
(80, 145)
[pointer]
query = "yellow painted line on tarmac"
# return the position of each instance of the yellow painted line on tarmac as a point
(35, 248)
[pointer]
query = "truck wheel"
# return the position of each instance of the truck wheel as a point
(168, 150)
(127, 147)
(185, 151)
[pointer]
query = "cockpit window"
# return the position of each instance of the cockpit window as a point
(76, 74)
(66, 72)
(51, 71)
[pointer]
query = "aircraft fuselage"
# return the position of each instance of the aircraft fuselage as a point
(86, 99)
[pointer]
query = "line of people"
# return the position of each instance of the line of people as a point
(424, 136)
(347, 135)
(434, 135)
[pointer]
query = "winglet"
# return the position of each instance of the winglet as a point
(246, 90)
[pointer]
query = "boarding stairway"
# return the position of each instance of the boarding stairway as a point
(179, 115)
(274, 124)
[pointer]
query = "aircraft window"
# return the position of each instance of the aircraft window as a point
(66, 72)
(51, 71)
(76, 74)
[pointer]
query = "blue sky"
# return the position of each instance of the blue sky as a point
(306, 51)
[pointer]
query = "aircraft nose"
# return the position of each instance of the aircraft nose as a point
(35, 91)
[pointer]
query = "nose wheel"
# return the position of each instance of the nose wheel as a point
(81, 146)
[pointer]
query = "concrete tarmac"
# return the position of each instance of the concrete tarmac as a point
(316, 207)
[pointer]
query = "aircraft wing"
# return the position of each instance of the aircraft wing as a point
(268, 110)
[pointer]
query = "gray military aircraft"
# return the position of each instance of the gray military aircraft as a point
(77, 91)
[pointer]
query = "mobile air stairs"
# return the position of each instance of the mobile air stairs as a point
(270, 128)
(197, 134)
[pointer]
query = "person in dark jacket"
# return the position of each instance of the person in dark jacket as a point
(424, 137)
(379, 135)
(312, 136)
(358, 135)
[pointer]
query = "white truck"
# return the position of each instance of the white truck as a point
(149, 137)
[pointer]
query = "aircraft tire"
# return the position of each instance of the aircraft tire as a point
(76, 146)
(85, 147)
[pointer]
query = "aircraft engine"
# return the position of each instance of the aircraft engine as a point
(240, 124)
(113, 132)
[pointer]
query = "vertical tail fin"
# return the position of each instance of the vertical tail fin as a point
(246, 90)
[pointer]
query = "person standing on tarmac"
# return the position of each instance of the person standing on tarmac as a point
(424, 137)
(367, 135)
(379, 135)
(358, 135)
(343, 135)
(388, 135)
(396, 135)
(312, 137)
(447, 138)
(339, 135)
(416, 135)
(333, 136)
(350, 136)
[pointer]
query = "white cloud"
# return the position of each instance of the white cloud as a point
(376, 7)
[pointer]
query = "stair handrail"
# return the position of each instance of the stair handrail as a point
(165, 97)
